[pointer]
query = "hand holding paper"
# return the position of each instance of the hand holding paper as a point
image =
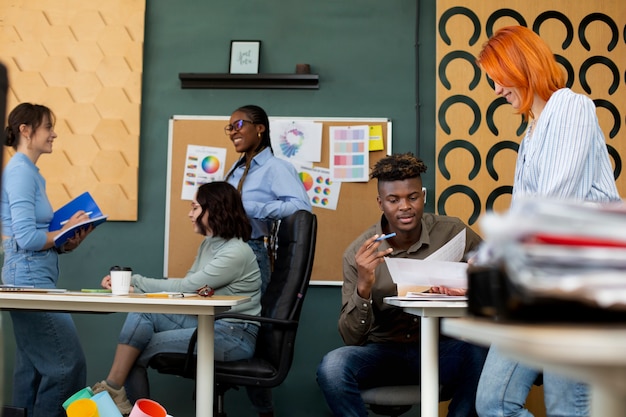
(441, 269)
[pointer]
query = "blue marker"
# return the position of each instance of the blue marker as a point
(385, 237)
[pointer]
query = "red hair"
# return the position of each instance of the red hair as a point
(515, 56)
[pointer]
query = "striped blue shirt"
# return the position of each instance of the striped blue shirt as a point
(566, 156)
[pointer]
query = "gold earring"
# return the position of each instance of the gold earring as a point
(259, 135)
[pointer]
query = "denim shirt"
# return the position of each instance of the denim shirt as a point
(25, 209)
(272, 190)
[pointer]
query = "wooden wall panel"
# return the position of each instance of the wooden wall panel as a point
(84, 60)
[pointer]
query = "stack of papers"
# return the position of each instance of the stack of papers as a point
(563, 249)
(429, 296)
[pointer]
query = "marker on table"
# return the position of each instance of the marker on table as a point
(88, 213)
(385, 237)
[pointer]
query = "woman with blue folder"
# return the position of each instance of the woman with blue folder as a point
(49, 361)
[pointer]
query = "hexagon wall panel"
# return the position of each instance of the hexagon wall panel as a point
(81, 58)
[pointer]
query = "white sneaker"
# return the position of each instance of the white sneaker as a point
(118, 395)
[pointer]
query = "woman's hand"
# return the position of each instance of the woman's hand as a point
(78, 217)
(106, 284)
(80, 235)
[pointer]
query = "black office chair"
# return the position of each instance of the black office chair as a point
(281, 308)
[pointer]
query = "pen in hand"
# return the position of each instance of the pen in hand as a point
(385, 237)
(88, 213)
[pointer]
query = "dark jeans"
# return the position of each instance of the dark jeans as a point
(343, 372)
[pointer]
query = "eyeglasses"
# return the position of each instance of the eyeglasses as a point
(236, 126)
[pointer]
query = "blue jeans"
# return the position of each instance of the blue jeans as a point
(504, 386)
(50, 364)
(156, 333)
(345, 371)
(263, 259)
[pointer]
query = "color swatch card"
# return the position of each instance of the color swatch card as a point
(203, 164)
(349, 153)
(323, 192)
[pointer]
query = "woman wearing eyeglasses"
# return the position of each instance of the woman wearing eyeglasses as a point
(225, 263)
(270, 189)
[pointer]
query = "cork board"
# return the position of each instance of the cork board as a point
(477, 134)
(356, 208)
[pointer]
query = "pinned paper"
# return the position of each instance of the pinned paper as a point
(349, 154)
(376, 138)
(323, 192)
(202, 164)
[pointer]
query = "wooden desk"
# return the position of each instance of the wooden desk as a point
(204, 308)
(430, 312)
(592, 352)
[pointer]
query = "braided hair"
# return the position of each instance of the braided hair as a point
(258, 116)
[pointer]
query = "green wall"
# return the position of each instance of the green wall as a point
(364, 52)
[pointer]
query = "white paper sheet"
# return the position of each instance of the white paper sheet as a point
(427, 273)
(442, 267)
(452, 251)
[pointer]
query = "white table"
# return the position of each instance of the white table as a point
(594, 353)
(430, 312)
(204, 308)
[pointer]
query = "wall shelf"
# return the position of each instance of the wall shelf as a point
(280, 81)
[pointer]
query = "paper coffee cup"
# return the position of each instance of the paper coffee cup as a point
(147, 408)
(120, 280)
(83, 393)
(83, 407)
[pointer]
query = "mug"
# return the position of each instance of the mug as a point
(106, 405)
(147, 408)
(83, 407)
(120, 280)
(83, 393)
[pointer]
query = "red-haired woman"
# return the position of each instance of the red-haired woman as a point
(562, 155)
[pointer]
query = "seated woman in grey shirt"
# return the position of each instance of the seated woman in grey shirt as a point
(226, 264)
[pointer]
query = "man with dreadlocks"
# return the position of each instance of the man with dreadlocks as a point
(382, 341)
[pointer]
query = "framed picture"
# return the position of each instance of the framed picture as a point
(244, 57)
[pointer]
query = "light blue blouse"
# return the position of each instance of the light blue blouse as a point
(25, 209)
(566, 156)
(272, 190)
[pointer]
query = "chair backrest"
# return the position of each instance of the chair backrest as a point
(287, 288)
